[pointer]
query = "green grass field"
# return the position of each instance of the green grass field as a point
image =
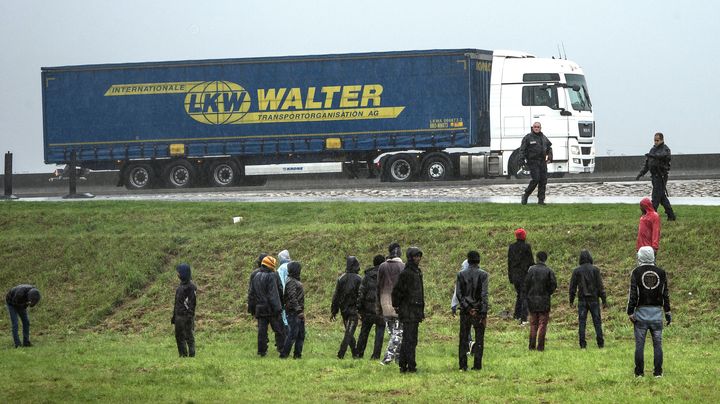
(106, 272)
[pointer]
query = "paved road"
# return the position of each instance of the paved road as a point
(682, 192)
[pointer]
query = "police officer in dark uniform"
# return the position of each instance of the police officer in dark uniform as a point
(657, 161)
(536, 152)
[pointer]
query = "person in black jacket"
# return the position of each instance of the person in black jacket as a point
(184, 312)
(520, 259)
(294, 302)
(536, 151)
(657, 161)
(345, 301)
(587, 282)
(265, 304)
(18, 299)
(472, 295)
(408, 298)
(367, 301)
(540, 284)
(649, 297)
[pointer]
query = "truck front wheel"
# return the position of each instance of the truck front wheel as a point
(139, 176)
(179, 174)
(401, 167)
(223, 174)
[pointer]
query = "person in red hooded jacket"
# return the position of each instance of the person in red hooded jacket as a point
(649, 227)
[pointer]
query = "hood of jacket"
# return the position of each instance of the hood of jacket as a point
(646, 205)
(283, 257)
(412, 252)
(294, 268)
(585, 257)
(184, 272)
(352, 264)
(646, 256)
(259, 259)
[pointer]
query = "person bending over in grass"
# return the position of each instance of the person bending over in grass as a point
(408, 298)
(18, 299)
(184, 312)
(294, 302)
(345, 301)
(540, 284)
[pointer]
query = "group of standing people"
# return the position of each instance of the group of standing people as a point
(390, 297)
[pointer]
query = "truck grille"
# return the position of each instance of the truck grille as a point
(586, 129)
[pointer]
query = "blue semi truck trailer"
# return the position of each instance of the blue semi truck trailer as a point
(409, 115)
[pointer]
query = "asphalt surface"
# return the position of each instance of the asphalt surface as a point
(695, 189)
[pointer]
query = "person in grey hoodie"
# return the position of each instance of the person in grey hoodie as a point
(648, 298)
(345, 301)
(454, 306)
(388, 273)
(184, 312)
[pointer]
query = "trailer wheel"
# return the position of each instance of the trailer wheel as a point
(223, 174)
(139, 176)
(179, 174)
(401, 167)
(516, 168)
(437, 167)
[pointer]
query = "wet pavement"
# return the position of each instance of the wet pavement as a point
(682, 192)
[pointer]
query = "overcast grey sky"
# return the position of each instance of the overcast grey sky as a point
(649, 64)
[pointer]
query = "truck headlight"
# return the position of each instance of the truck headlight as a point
(575, 150)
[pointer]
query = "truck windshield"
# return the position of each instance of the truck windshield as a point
(580, 98)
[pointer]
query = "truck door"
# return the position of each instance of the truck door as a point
(546, 104)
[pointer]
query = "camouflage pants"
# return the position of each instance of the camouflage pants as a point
(394, 328)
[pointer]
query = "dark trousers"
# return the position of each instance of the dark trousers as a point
(367, 323)
(350, 323)
(594, 308)
(538, 175)
(14, 314)
(641, 330)
(276, 323)
(659, 195)
(478, 323)
(538, 328)
(408, 346)
(521, 310)
(185, 335)
(296, 336)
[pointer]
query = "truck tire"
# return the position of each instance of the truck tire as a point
(436, 167)
(179, 174)
(223, 173)
(139, 176)
(516, 168)
(401, 167)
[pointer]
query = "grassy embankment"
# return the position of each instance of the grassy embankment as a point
(106, 271)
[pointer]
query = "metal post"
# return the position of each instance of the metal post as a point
(7, 178)
(73, 180)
